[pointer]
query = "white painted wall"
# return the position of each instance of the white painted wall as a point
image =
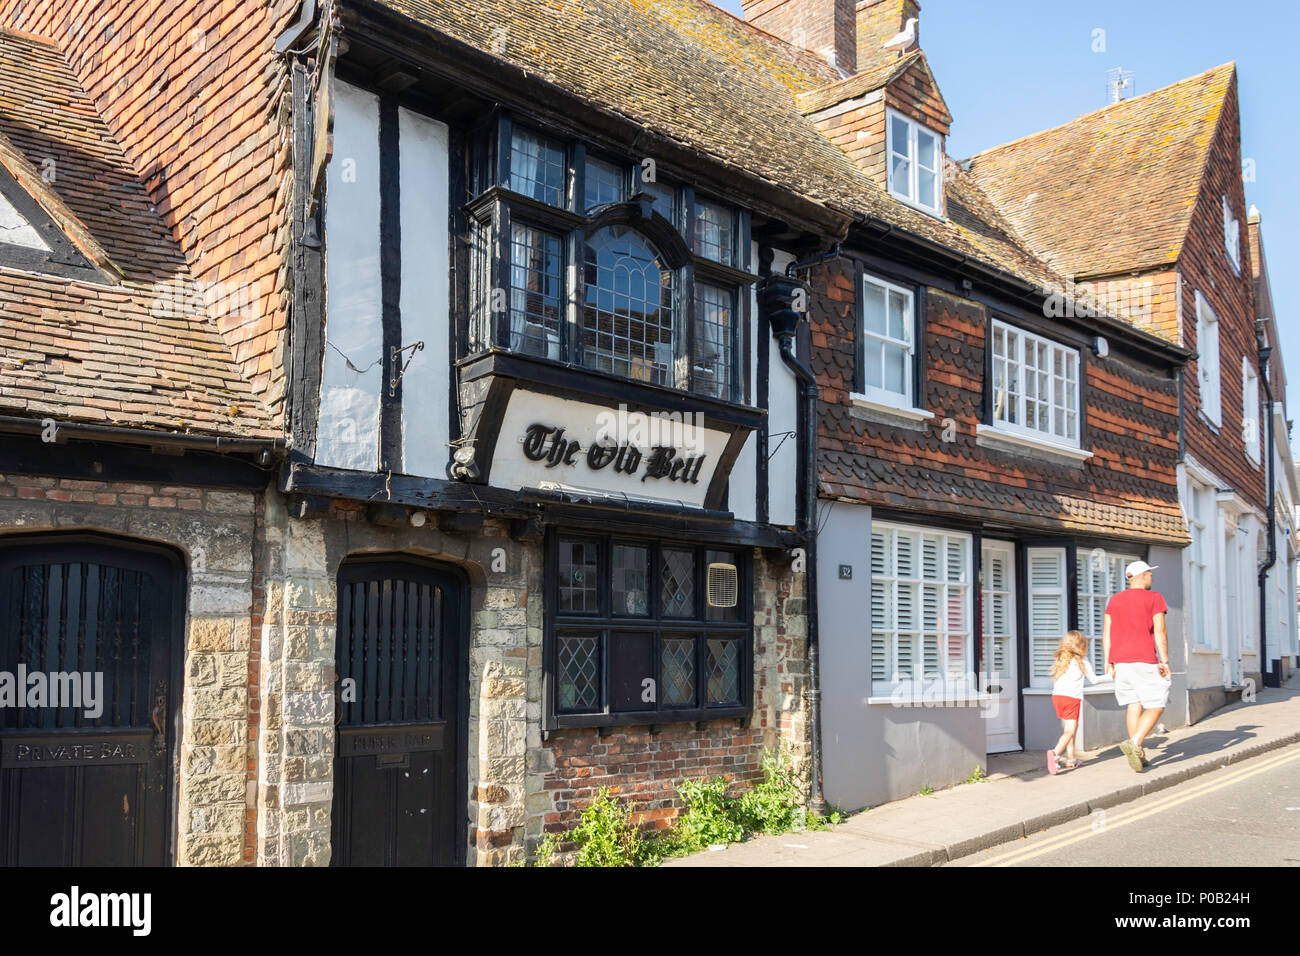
(782, 416)
(425, 300)
(348, 431)
(16, 230)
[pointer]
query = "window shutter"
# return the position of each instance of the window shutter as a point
(996, 611)
(1048, 619)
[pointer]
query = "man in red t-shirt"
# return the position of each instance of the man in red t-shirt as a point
(1136, 646)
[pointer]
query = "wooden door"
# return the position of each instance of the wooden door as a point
(398, 753)
(86, 772)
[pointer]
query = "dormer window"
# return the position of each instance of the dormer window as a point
(915, 163)
(578, 259)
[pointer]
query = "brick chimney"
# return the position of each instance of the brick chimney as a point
(825, 27)
(847, 33)
(878, 22)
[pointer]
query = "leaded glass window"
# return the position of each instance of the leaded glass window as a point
(579, 671)
(536, 306)
(677, 589)
(604, 183)
(724, 671)
(627, 325)
(619, 297)
(579, 577)
(537, 167)
(631, 580)
(714, 238)
(635, 639)
(677, 665)
(715, 341)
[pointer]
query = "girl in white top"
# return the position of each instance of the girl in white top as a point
(1071, 668)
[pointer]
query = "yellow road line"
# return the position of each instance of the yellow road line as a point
(1133, 814)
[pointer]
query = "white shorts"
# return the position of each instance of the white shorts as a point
(1141, 683)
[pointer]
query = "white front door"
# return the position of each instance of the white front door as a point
(999, 675)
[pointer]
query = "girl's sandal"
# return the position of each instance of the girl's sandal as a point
(1072, 765)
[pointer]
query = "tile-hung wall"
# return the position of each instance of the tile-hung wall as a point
(980, 504)
(556, 625)
(1217, 319)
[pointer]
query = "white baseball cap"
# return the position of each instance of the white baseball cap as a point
(1138, 567)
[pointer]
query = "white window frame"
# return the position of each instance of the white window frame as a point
(909, 192)
(1199, 565)
(1209, 371)
(1100, 575)
(905, 400)
(1231, 235)
(888, 584)
(1251, 411)
(1056, 401)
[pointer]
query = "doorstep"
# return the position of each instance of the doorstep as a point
(1020, 798)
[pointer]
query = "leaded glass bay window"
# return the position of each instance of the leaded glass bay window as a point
(627, 318)
(566, 267)
(634, 637)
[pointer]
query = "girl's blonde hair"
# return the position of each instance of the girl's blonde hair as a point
(1074, 646)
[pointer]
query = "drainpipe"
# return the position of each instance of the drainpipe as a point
(1273, 677)
(777, 296)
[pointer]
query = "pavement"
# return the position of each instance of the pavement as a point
(1019, 798)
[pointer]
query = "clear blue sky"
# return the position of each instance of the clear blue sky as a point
(1011, 67)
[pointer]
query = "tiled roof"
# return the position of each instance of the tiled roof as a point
(700, 77)
(858, 84)
(139, 349)
(1112, 190)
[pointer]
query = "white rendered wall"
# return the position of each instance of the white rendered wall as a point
(782, 416)
(348, 431)
(425, 301)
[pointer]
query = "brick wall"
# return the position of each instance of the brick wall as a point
(644, 768)
(194, 94)
(1127, 489)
